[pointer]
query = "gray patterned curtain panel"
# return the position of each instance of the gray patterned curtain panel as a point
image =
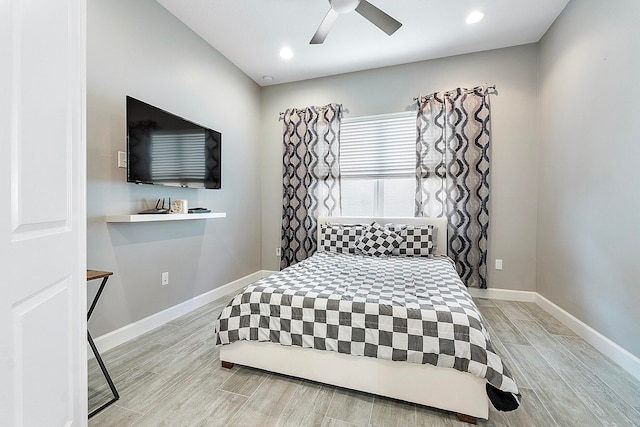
(311, 177)
(452, 173)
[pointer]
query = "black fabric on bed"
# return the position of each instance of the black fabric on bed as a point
(501, 400)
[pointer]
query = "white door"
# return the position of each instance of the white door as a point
(42, 219)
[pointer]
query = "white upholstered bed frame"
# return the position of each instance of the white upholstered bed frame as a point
(427, 385)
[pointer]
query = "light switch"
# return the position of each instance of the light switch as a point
(498, 264)
(122, 159)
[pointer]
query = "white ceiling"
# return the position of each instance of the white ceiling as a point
(250, 33)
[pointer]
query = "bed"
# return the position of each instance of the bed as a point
(345, 336)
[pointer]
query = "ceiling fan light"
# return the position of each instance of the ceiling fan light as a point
(344, 6)
(475, 16)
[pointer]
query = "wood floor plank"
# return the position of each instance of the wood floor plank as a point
(210, 378)
(244, 381)
(99, 396)
(206, 321)
(555, 394)
(138, 348)
(331, 422)
(196, 409)
(502, 326)
(307, 406)
(548, 322)
(623, 384)
(131, 360)
(166, 335)
(531, 413)
(432, 417)
(196, 400)
(391, 412)
(535, 334)
(265, 407)
(351, 406)
(484, 302)
(114, 416)
(140, 390)
(597, 395)
(513, 310)
(176, 358)
(224, 408)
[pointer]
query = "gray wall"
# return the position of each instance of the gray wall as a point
(387, 90)
(137, 48)
(589, 197)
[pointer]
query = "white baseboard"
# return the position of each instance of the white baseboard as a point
(133, 330)
(503, 294)
(613, 351)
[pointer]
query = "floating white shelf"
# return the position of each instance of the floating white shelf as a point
(164, 217)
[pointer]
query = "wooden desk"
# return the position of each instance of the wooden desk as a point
(104, 275)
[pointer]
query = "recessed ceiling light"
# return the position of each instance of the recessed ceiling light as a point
(475, 16)
(286, 53)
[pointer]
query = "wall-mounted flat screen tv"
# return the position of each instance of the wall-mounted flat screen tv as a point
(164, 149)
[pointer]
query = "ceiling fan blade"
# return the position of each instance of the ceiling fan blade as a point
(325, 27)
(377, 17)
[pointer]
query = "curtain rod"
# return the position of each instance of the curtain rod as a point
(468, 91)
(281, 113)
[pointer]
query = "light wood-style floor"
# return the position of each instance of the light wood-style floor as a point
(171, 376)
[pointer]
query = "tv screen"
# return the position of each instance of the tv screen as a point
(164, 149)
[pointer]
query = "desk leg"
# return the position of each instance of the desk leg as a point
(95, 299)
(116, 396)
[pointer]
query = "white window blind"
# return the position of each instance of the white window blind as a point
(178, 155)
(382, 146)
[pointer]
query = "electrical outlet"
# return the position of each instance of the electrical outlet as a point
(165, 278)
(498, 264)
(278, 252)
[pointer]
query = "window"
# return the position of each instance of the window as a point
(377, 165)
(178, 155)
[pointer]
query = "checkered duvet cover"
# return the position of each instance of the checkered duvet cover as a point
(403, 309)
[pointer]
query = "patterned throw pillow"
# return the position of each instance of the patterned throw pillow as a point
(340, 237)
(377, 240)
(417, 240)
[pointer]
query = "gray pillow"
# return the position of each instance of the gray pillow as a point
(340, 238)
(417, 240)
(378, 240)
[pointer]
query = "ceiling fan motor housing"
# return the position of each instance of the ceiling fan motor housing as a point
(344, 6)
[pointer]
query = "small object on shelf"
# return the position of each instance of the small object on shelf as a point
(199, 210)
(159, 209)
(179, 207)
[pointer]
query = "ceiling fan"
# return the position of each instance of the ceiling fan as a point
(377, 17)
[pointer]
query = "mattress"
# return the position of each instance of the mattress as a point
(405, 309)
